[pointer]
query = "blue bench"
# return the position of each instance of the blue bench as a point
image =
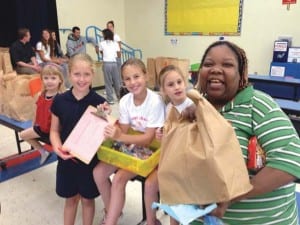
(17, 126)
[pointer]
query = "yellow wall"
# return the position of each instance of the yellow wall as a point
(141, 24)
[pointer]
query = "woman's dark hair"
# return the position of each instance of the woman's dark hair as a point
(108, 34)
(241, 58)
(46, 42)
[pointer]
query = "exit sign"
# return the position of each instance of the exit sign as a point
(289, 2)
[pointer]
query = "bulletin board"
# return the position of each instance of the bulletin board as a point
(205, 17)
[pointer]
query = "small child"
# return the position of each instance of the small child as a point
(142, 110)
(173, 88)
(74, 179)
(52, 79)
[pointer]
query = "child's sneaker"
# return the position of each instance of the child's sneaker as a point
(45, 155)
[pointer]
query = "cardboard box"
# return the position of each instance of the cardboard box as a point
(128, 162)
(98, 79)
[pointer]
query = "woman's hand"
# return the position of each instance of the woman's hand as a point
(220, 210)
(189, 113)
(112, 131)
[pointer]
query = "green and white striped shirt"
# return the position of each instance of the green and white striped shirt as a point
(253, 113)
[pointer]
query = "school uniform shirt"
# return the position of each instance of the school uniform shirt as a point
(69, 110)
(150, 114)
(109, 49)
(254, 113)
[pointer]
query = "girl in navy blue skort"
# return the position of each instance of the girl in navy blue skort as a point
(74, 179)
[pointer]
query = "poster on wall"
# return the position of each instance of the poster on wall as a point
(205, 17)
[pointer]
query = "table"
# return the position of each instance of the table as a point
(277, 87)
(288, 106)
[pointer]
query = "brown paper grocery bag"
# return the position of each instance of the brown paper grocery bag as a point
(5, 63)
(17, 102)
(201, 162)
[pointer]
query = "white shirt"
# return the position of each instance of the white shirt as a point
(41, 47)
(117, 38)
(109, 49)
(150, 114)
(186, 103)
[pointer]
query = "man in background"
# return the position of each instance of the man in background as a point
(22, 54)
(77, 43)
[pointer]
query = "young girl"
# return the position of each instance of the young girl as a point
(74, 179)
(52, 80)
(141, 110)
(110, 50)
(173, 88)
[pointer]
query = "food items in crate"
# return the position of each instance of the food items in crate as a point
(132, 149)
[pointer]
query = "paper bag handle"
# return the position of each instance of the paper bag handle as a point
(194, 95)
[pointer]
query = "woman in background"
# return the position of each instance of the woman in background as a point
(43, 55)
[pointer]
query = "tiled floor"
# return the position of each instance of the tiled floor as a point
(30, 199)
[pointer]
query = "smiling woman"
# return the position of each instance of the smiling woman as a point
(221, 89)
(224, 82)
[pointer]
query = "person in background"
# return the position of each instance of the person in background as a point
(110, 50)
(77, 43)
(224, 82)
(111, 26)
(52, 80)
(43, 55)
(142, 110)
(22, 54)
(56, 50)
(74, 179)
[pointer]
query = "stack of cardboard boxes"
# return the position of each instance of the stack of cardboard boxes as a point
(155, 65)
(16, 101)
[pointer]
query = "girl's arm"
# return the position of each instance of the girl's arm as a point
(55, 138)
(119, 133)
